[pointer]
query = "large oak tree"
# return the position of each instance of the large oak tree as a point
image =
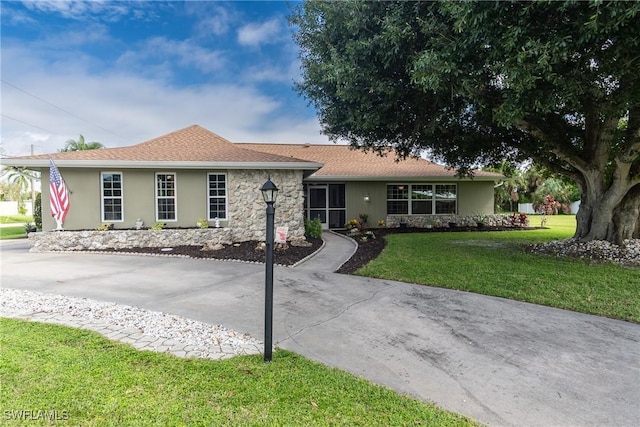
(481, 82)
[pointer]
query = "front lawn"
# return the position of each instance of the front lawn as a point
(11, 219)
(57, 375)
(17, 232)
(494, 263)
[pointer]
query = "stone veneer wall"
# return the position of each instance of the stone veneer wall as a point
(120, 239)
(422, 221)
(247, 208)
(247, 219)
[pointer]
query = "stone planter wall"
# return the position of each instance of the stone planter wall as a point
(438, 221)
(120, 239)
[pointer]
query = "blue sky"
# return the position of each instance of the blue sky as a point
(123, 72)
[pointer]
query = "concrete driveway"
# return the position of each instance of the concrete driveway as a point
(498, 361)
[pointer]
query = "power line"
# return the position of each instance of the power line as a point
(28, 124)
(59, 108)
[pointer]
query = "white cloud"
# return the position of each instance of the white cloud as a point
(187, 53)
(257, 34)
(90, 34)
(132, 92)
(216, 21)
(80, 9)
(122, 109)
(14, 17)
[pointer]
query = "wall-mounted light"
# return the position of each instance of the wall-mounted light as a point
(367, 198)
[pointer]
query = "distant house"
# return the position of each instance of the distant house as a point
(193, 173)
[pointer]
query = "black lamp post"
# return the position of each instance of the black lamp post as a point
(269, 193)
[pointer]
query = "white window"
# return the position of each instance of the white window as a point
(217, 195)
(166, 197)
(446, 200)
(111, 191)
(398, 199)
(421, 199)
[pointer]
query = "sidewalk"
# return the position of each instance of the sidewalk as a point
(336, 251)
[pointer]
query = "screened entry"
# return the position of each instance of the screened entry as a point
(326, 202)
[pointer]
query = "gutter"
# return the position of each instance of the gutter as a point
(146, 164)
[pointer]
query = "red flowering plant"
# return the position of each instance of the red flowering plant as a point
(519, 219)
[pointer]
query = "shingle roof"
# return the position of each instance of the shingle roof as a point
(195, 146)
(343, 161)
(191, 144)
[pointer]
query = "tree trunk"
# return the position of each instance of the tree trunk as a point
(611, 213)
(627, 216)
(595, 220)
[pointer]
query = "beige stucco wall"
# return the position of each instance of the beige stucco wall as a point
(245, 204)
(376, 208)
(474, 198)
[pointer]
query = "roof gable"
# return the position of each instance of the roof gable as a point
(192, 145)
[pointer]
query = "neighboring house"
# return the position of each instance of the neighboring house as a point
(193, 173)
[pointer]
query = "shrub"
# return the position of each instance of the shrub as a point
(368, 236)
(358, 224)
(37, 211)
(313, 228)
(519, 219)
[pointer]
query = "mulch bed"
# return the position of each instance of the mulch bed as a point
(245, 251)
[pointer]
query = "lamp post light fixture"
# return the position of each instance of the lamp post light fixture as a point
(270, 194)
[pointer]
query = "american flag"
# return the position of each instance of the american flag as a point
(58, 194)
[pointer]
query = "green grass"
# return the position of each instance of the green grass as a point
(92, 381)
(10, 219)
(494, 263)
(12, 233)
(17, 232)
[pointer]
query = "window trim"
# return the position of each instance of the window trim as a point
(409, 200)
(102, 196)
(226, 196)
(174, 197)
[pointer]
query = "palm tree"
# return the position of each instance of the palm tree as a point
(80, 145)
(506, 191)
(22, 179)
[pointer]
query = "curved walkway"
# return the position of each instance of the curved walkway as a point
(499, 361)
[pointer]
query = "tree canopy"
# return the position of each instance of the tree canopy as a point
(482, 82)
